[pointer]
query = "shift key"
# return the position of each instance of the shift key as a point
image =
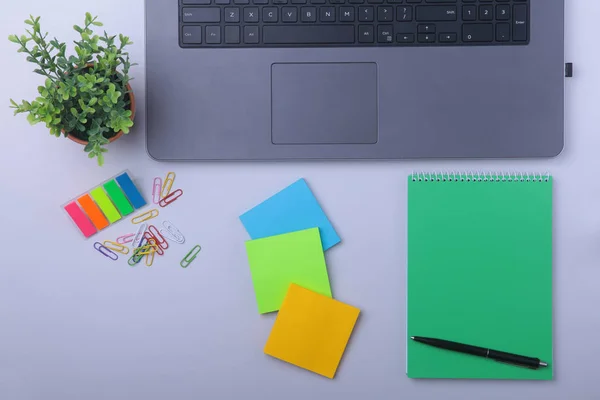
(436, 13)
(201, 14)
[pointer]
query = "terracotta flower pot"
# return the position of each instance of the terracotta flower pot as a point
(120, 133)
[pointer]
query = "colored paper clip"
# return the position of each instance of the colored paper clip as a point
(156, 189)
(191, 256)
(106, 252)
(135, 258)
(126, 238)
(170, 198)
(139, 236)
(154, 242)
(171, 232)
(160, 240)
(119, 248)
(145, 250)
(167, 185)
(145, 216)
(150, 259)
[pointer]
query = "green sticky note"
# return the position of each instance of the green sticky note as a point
(479, 273)
(118, 197)
(107, 207)
(278, 261)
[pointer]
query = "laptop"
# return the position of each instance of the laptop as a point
(354, 79)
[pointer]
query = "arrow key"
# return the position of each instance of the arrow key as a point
(426, 28)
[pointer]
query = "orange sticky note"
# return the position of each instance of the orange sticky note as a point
(311, 331)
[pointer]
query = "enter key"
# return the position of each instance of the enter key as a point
(520, 26)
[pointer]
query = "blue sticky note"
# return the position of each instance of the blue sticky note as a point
(131, 191)
(293, 209)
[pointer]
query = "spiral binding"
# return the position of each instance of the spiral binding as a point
(478, 176)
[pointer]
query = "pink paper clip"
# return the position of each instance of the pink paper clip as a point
(170, 198)
(151, 239)
(160, 240)
(126, 238)
(156, 189)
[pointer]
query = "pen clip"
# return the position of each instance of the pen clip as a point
(515, 364)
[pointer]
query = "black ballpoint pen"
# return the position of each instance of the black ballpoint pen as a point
(496, 355)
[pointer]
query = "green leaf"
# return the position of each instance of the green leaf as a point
(77, 28)
(96, 23)
(13, 38)
(29, 22)
(32, 119)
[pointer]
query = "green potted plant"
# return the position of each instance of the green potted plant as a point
(86, 96)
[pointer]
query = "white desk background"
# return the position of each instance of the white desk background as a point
(74, 325)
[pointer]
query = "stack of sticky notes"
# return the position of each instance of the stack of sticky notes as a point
(290, 233)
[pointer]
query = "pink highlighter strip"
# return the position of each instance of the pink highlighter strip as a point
(80, 219)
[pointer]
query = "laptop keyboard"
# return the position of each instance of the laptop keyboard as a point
(352, 23)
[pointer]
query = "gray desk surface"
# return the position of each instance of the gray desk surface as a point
(76, 326)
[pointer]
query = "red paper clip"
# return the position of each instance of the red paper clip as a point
(154, 241)
(170, 198)
(160, 239)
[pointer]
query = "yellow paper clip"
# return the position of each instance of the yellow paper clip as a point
(119, 248)
(167, 185)
(145, 216)
(150, 259)
(145, 250)
(191, 256)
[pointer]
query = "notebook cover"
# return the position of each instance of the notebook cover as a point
(480, 273)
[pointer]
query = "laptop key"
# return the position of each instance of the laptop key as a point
(503, 32)
(232, 34)
(448, 37)
(213, 34)
(192, 35)
(251, 14)
(365, 34)
(232, 14)
(251, 34)
(405, 38)
(478, 32)
(436, 13)
(520, 22)
(201, 14)
(385, 34)
(308, 34)
(289, 14)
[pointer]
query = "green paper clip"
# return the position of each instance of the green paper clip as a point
(191, 256)
(136, 257)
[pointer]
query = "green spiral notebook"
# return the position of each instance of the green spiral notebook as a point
(479, 272)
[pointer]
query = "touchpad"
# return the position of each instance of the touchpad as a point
(330, 103)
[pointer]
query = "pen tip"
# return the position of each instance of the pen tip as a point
(543, 364)
(412, 337)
